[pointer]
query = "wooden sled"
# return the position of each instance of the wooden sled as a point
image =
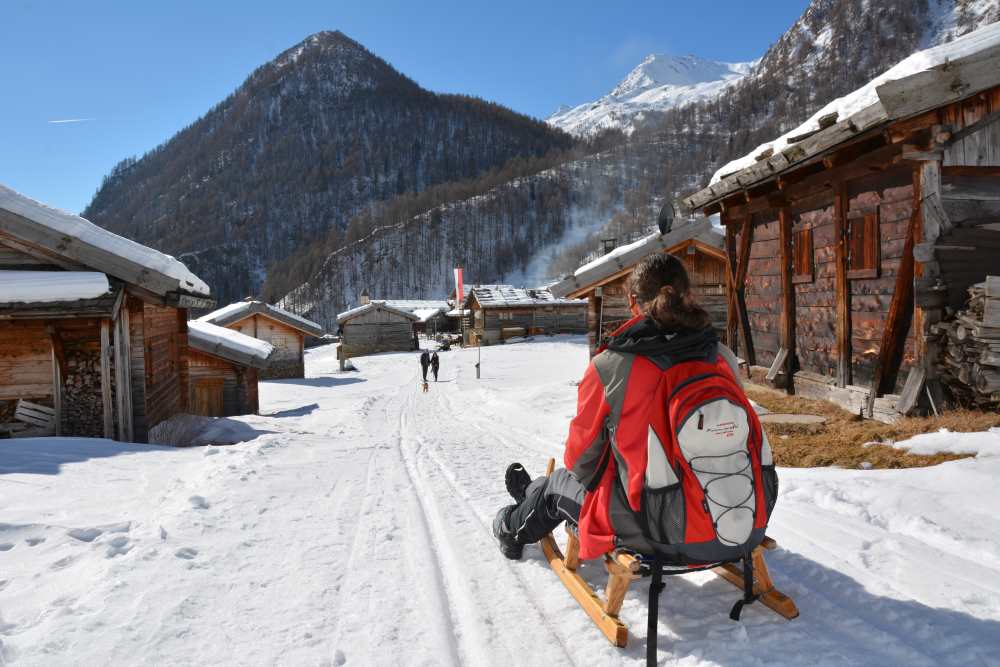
(624, 568)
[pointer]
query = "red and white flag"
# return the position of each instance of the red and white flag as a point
(459, 289)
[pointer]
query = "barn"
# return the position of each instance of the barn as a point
(284, 330)
(603, 282)
(853, 241)
(93, 327)
(223, 370)
(499, 312)
(375, 327)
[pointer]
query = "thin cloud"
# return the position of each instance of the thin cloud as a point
(70, 120)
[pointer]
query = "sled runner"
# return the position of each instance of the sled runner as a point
(624, 567)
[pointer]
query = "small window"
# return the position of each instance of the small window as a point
(863, 244)
(802, 255)
(505, 314)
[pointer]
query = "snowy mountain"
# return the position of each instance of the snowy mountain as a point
(309, 140)
(658, 83)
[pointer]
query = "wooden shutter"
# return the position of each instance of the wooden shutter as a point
(863, 245)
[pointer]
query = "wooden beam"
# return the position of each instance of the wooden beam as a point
(787, 333)
(106, 379)
(732, 319)
(841, 287)
(743, 263)
(948, 82)
(57, 391)
(900, 315)
(968, 130)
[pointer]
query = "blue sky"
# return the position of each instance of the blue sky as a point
(141, 70)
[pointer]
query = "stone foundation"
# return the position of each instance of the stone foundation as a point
(282, 369)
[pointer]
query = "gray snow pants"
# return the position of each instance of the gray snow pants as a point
(548, 501)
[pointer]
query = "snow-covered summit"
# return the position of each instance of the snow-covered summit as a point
(658, 83)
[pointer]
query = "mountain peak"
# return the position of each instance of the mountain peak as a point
(660, 82)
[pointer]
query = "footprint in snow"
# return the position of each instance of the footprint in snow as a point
(33, 541)
(119, 546)
(211, 451)
(187, 553)
(62, 563)
(199, 502)
(85, 534)
(6, 546)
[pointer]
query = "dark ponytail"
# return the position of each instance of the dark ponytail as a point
(663, 290)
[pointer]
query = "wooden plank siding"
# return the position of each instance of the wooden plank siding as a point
(763, 290)
(238, 385)
(376, 331)
(159, 383)
(288, 360)
(25, 360)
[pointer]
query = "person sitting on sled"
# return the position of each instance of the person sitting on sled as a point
(666, 324)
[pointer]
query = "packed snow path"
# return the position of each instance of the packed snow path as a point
(355, 529)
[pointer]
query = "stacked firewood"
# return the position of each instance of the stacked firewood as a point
(970, 354)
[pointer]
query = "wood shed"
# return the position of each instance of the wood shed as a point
(500, 312)
(284, 330)
(699, 245)
(375, 327)
(853, 241)
(93, 327)
(223, 370)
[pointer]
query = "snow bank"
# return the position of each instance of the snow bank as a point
(185, 430)
(970, 44)
(984, 443)
(91, 234)
(51, 286)
(205, 336)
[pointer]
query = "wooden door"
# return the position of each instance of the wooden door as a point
(208, 398)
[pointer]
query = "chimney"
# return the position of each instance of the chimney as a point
(365, 299)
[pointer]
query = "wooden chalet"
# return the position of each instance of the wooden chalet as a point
(431, 314)
(284, 330)
(93, 327)
(223, 370)
(603, 282)
(853, 241)
(499, 312)
(375, 327)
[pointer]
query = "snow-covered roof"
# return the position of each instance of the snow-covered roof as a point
(456, 312)
(877, 102)
(629, 255)
(374, 305)
(51, 286)
(229, 344)
(508, 296)
(424, 309)
(82, 241)
(241, 310)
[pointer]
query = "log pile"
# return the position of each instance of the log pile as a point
(970, 358)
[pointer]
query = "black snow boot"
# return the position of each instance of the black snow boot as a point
(517, 480)
(509, 546)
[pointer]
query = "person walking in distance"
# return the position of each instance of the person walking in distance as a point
(425, 362)
(435, 365)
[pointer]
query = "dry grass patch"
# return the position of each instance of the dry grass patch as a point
(840, 441)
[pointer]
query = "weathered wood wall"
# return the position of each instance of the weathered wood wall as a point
(890, 196)
(533, 320)
(238, 384)
(763, 291)
(25, 360)
(288, 360)
(816, 301)
(159, 379)
(376, 331)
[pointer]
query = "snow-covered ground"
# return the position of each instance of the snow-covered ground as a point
(355, 529)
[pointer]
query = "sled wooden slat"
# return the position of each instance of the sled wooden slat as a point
(769, 596)
(624, 568)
